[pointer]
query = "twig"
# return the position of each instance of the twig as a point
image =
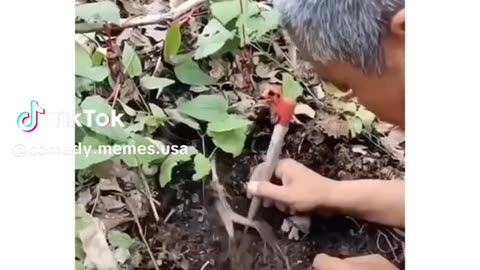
(96, 199)
(140, 230)
(173, 14)
(150, 199)
(205, 265)
(170, 214)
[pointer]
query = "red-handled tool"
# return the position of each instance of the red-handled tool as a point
(283, 109)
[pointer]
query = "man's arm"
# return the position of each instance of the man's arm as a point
(377, 201)
(304, 190)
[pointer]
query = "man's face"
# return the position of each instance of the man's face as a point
(383, 94)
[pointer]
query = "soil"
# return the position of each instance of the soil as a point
(194, 238)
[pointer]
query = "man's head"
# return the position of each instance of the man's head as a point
(355, 44)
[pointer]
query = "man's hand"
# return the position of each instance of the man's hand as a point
(368, 262)
(302, 189)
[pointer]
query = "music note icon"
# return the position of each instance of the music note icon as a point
(28, 121)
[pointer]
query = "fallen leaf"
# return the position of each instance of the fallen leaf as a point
(304, 109)
(334, 126)
(108, 169)
(218, 69)
(129, 111)
(263, 71)
(199, 89)
(111, 203)
(318, 90)
(360, 149)
(392, 143)
(155, 32)
(111, 184)
(84, 197)
(94, 242)
(121, 255)
(382, 127)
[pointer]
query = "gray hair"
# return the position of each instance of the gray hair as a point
(350, 31)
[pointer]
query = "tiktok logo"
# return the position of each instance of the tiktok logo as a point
(28, 121)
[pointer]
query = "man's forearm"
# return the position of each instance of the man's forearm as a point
(376, 201)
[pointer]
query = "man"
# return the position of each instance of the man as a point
(358, 45)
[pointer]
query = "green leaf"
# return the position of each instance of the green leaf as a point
(332, 90)
(131, 61)
(202, 166)
(212, 39)
(87, 153)
(151, 83)
(173, 41)
(170, 162)
(141, 150)
(120, 239)
(210, 108)
(100, 11)
(226, 11)
(96, 74)
(100, 105)
(229, 123)
(178, 117)
(83, 61)
(157, 118)
(188, 72)
(366, 116)
(83, 84)
(291, 88)
(356, 126)
(127, 109)
(231, 141)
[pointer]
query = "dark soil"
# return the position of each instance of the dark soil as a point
(194, 238)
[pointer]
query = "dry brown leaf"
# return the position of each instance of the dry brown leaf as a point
(218, 69)
(155, 32)
(94, 243)
(238, 81)
(392, 143)
(199, 89)
(305, 110)
(334, 126)
(360, 149)
(84, 197)
(108, 169)
(382, 127)
(111, 203)
(318, 90)
(109, 184)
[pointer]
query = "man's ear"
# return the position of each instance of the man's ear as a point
(397, 25)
